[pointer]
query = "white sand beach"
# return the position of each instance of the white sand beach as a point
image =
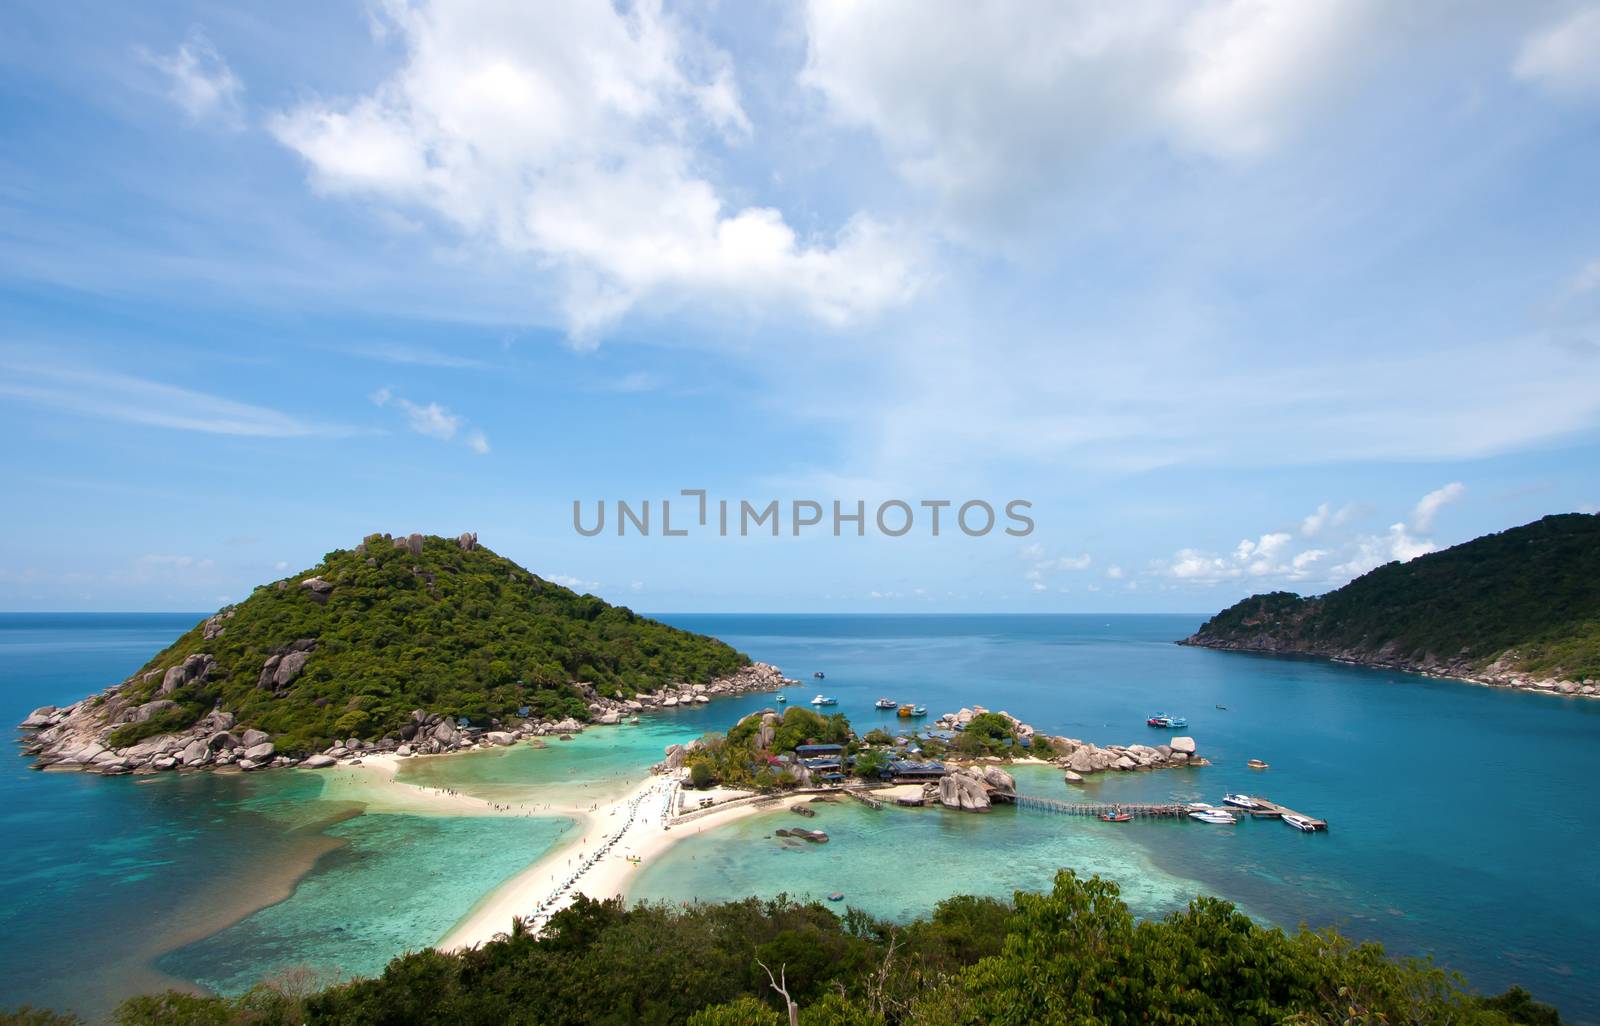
(599, 856)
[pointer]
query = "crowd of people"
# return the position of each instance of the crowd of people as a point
(586, 862)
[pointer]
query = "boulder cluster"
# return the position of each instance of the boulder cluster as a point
(1501, 674)
(69, 739)
(77, 736)
(1081, 758)
(972, 788)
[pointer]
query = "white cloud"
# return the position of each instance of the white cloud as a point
(433, 420)
(1325, 517)
(1303, 560)
(577, 136)
(1563, 58)
(1374, 551)
(1429, 505)
(1114, 572)
(133, 400)
(992, 107)
(1264, 557)
(574, 583)
(1073, 562)
(198, 80)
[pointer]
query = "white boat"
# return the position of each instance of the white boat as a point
(824, 700)
(1241, 801)
(884, 703)
(1301, 823)
(780, 698)
(1216, 816)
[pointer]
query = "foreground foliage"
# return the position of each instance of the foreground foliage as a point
(1533, 591)
(1072, 955)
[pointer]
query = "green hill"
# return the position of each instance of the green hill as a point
(349, 647)
(1505, 608)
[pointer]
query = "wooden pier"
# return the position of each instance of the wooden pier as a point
(1272, 810)
(1140, 810)
(869, 802)
(1097, 809)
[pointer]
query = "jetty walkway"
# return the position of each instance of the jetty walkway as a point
(1267, 809)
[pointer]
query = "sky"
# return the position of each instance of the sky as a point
(1236, 295)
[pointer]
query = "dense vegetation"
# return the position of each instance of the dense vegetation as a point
(757, 755)
(1073, 955)
(449, 630)
(1533, 591)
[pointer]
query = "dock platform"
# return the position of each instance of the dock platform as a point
(1175, 810)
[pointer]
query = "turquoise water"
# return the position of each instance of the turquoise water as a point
(1461, 816)
(402, 872)
(895, 863)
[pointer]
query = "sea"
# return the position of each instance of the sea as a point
(1462, 819)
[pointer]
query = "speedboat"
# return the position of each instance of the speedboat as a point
(1241, 801)
(836, 896)
(1300, 823)
(1216, 816)
(780, 698)
(884, 703)
(1256, 764)
(824, 700)
(819, 675)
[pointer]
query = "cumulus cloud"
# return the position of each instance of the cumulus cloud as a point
(576, 136)
(1429, 505)
(992, 106)
(198, 80)
(1325, 517)
(1373, 551)
(432, 420)
(1563, 57)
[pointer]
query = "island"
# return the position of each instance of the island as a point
(407, 644)
(1519, 609)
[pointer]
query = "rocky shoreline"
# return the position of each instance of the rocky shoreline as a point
(1500, 673)
(76, 737)
(1083, 758)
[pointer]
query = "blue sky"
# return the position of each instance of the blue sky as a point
(1239, 294)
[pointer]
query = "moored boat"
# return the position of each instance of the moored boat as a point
(824, 700)
(1216, 816)
(1240, 801)
(1304, 824)
(1116, 815)
(819, 675)
(1256, 764)
(836, 896)
(780, 698)
(884, 703)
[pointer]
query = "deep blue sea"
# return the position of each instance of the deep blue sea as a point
(1462, 818)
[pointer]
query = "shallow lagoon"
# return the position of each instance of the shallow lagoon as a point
(1437, 846)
